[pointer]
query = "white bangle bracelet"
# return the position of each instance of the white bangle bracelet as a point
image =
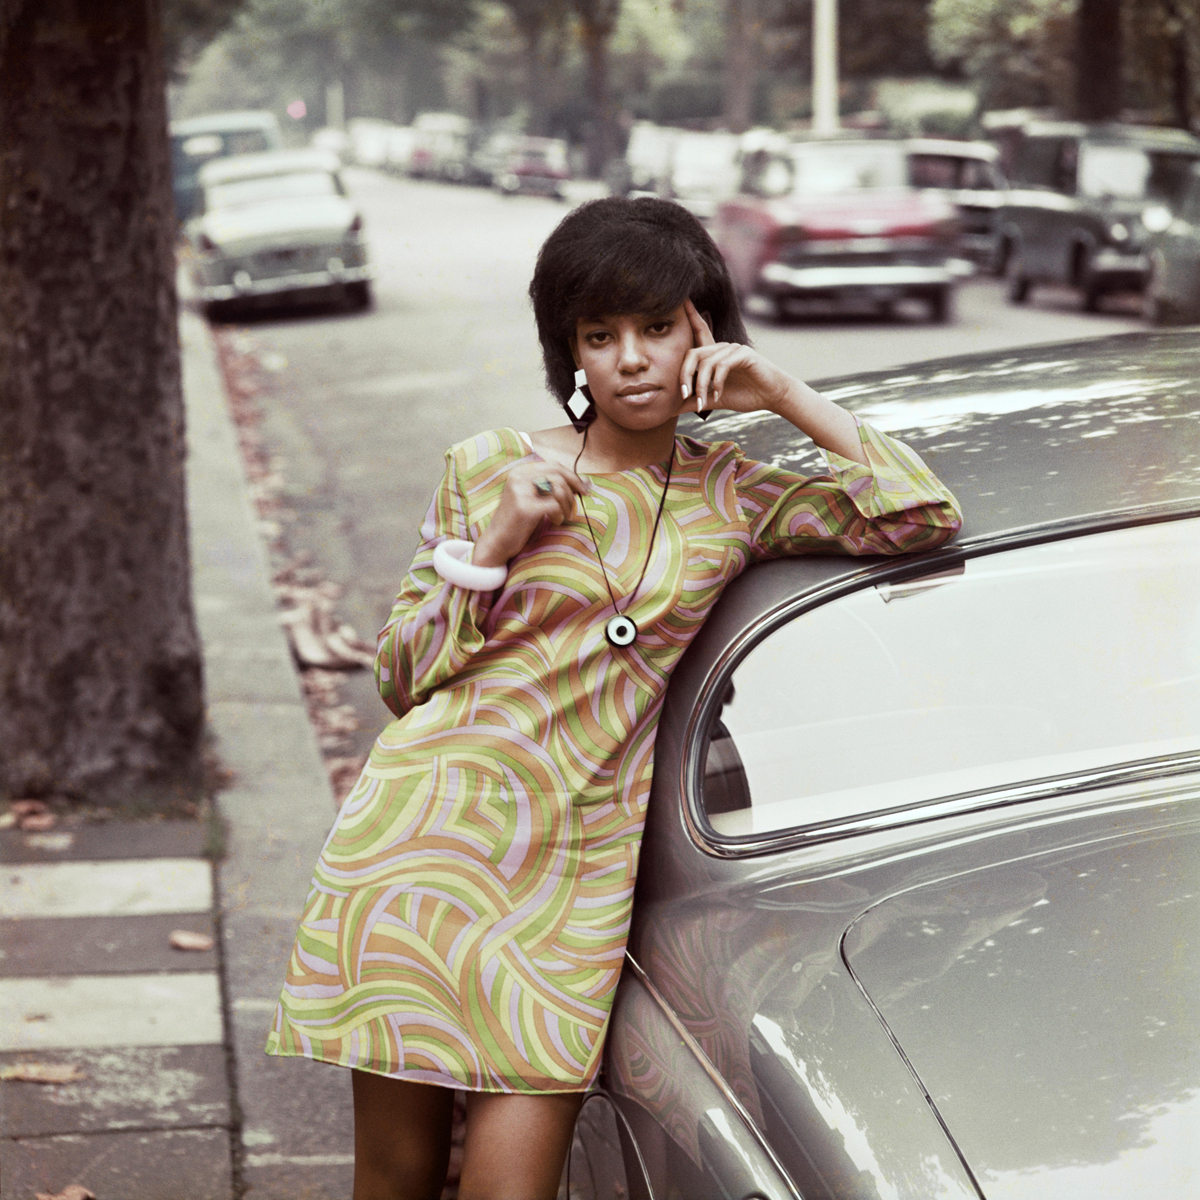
(452, 561)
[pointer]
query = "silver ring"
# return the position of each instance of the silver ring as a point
(543, 487)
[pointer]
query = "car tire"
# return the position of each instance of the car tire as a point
(941, 305)
(1019, 284)
(358, 295)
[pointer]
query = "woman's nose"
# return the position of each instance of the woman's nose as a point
(633, 354)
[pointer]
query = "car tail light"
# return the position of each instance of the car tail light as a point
(357, 224)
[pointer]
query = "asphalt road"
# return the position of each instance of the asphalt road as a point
(359, 407)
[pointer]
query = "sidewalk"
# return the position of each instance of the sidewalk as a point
(174, 1098)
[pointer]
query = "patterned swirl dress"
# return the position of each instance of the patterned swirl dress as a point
(468, 914)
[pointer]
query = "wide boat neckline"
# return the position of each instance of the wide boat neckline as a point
(661, 465)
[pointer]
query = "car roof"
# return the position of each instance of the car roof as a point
(1073, 434)
(1149, 136)
(224, 122)
(270, 162)
(982, 150)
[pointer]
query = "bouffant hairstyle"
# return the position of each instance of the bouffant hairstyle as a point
(617, 256)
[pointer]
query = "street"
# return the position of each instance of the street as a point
(357, 408)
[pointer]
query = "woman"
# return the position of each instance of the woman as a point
(468, 915)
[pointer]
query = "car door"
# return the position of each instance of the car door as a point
(1040, 202)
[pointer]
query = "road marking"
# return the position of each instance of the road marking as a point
(98, 1011)
(120, 888)
(299, 1160)
(410, 381)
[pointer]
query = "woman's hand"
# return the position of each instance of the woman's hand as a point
(533, 493)
(729, 375)
(732, 376)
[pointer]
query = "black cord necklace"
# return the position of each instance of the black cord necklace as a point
(619, 629)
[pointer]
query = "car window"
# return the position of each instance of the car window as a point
(934, 170)
(1030, 663)
(1121, 171)
(847, 167)
(1047, 162)
(1190, 210)
(241, 192)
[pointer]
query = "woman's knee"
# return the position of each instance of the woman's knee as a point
(401, 1137)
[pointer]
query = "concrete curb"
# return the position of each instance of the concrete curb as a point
(296, 1117)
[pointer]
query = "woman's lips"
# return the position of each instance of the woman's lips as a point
(638, 391)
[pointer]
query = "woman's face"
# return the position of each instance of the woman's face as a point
(633, 362)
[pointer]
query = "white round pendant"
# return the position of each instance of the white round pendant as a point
(620, 631)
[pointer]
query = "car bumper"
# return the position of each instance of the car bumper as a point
(1115, 266)
(245, 288)
(778, 278)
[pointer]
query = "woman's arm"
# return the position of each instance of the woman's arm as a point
(736, 377)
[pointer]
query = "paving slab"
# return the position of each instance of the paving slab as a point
(68, 1011)
(105, 889)
(124, 1087)
(103, 945)
(192, 1164)
(107, 840)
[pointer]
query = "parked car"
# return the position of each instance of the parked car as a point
(534, 166)
(1172, 293)
(369, 140)
(332, 141)
(441, 145)
(703, 171)
(198, 140)
(1073, 214)
(837, 221)
(274, 224)
(968, 175)
(646, 164)
(489, 156)
(918, 894)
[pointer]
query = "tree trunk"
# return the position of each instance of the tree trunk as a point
(100, 670)
(597, 23)
(532, 32)
(741, 44)
(1098, 60)
(1181, 72)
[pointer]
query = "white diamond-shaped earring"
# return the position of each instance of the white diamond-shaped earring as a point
(578, 404)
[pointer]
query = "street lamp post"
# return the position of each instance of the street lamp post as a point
(825, 72)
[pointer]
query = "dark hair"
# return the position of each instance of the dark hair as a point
(617, 256)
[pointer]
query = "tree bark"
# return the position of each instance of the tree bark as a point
(1181, 72)
(741, 44)
(101, 694)
(597, 23)
(1098, 60)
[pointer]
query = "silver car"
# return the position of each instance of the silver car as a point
(1172, 293)
(276, 224)
(919, 896)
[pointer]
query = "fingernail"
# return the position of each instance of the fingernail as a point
(687, 391)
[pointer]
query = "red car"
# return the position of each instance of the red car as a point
(837, 221)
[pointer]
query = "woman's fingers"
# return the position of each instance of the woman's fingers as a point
(701, 334)
(713, 359)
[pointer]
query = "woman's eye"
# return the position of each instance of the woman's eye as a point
(661, 327)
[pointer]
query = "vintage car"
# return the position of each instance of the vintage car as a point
(968, 175)
(534, 166)
(836, 221)
(1074, 212)
(276, 224)
(1172, 293)
(196, 141)
(918, 900)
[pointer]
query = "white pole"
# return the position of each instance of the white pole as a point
(335, 106)
(825, 72)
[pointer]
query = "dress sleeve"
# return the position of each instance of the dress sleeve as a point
(894, 505)
(435, 627)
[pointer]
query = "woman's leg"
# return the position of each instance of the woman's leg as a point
(516, 1145)
(401, 1138)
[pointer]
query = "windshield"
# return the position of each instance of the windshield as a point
(1131, 173)
(847, 167)
(241, 192)
(1035, 662)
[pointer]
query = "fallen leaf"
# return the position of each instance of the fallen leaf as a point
(38, 1072)
(73, 1191)
(50, 841)
(185, 939)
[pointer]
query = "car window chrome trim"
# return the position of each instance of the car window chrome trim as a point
(715, 1077)
(939, 563)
